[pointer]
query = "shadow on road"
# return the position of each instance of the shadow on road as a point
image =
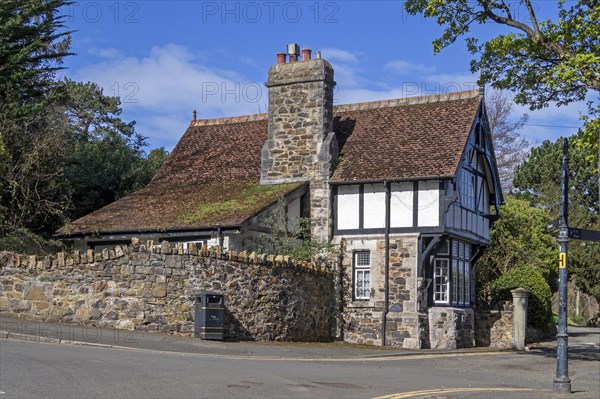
(584, 344)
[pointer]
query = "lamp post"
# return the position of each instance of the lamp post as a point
(562, 383)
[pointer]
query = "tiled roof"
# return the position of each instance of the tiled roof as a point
(418, 137)
(211, 177)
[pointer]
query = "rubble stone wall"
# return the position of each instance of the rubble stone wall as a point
(451, 328)
(362, 319)
(494, 327)
(133, 287)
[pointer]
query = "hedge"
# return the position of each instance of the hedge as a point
(539, 310)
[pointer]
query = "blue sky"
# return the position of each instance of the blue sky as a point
(166, 58)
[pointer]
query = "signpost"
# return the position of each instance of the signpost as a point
(562, 383)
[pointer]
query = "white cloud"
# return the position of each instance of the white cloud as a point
(162, 88)
(105, 52)
(403, 67)
(335, 54)
(452, 81)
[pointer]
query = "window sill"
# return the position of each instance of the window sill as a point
(361, 304)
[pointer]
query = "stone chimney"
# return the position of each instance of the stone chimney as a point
(301, 145)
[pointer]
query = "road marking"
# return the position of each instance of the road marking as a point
(2, 392)
(414, 394)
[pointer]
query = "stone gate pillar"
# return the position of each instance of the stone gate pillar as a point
(520, 300)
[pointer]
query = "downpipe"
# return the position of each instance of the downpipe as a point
(386, 287)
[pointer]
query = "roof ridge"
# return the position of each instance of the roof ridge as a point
(229, 119)
(431, 98)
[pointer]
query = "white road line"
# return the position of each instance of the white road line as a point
(2, 392)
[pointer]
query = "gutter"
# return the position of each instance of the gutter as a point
(127, 234)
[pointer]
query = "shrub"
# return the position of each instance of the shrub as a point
(539, 309)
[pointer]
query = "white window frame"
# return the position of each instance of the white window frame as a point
(362, 275)
(441, 280)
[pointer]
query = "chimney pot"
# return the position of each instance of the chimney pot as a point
(318, 54)
(293, 58)
(194, 115)
(293, 48)
(281, 58)
(306, 54)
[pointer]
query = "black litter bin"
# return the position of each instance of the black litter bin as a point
(209, 316)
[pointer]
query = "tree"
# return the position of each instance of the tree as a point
(510, 148)
(537, 180)
(518, 239)
(33, 43)
(106, 159)
(544, 62)
(64, 149)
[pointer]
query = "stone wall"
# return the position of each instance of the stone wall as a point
(300, 120)
(362, 319)
(266, 297)
(301, 144)
(494, 327)
(451, 328)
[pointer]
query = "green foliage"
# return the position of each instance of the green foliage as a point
(64, 150)
(538, 180)
(106, 160)
(544, 62)
(33, 43)
(25, 242)
(291, 238)
(518, 239)
(539, 310)
(584, 265)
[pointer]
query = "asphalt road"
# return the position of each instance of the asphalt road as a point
(48, 370)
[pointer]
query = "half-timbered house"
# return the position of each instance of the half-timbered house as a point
(407, 188)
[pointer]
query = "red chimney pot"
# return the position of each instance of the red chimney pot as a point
(306, 54)
(281, 58)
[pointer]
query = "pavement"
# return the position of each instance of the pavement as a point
(35, 331)
(584, 343)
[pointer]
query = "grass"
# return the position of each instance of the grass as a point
(252, 198)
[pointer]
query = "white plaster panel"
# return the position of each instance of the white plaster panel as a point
(401, 204)
(429, 203)
(347, 207)
(374, 198)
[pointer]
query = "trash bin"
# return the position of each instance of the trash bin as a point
(209, 316)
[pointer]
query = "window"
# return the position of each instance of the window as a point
(467, 192)
(362, 275)
(441, 281)
(452, 278)
(461, 273)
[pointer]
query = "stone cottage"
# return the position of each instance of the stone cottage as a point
(407, 188)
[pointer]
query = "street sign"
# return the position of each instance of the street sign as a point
(582, 234)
